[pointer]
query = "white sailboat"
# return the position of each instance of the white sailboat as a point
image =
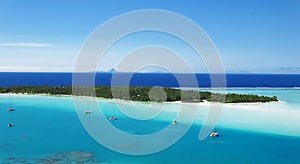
(113, 117)
(175, 119)
(10, 109)
(88, 111)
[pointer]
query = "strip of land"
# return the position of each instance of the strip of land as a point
(154, 94)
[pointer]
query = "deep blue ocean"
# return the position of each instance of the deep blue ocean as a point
(151, 79)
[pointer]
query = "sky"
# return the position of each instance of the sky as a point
(252, 36)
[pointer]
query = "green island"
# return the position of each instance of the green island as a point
(158, 94)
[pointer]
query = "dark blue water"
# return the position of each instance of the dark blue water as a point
(153, 79)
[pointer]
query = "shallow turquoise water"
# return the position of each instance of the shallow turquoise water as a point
(47, 129)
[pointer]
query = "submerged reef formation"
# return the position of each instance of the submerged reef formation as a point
(72, 157)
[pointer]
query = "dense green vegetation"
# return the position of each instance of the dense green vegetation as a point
(157, 94)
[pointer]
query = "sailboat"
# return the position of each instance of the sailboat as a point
(88, 111)
(10, 109)
(174, 122)
(113, 117)
(175, 119)
(214, 133)
(10, 125)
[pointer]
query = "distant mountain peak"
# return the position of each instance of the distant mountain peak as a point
(112, 70)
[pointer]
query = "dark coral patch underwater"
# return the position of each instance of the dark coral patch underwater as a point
(72, 157)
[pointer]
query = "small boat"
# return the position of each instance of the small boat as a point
(174, 122)
(10, 109)
(112, 118)
(214, 134)
(87, 112)
(10, 125)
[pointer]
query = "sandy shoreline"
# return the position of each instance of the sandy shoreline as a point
(204, 102)
(276, 117)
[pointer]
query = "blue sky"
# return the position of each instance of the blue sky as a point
(254, 36)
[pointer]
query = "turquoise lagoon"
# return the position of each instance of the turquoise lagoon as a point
(47, 130)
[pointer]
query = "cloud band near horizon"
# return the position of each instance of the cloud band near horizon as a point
(26, 45)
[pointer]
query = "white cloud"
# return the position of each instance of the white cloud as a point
(34, 69)
(38, 45)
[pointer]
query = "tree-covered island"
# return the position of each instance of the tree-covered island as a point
(156, 94)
